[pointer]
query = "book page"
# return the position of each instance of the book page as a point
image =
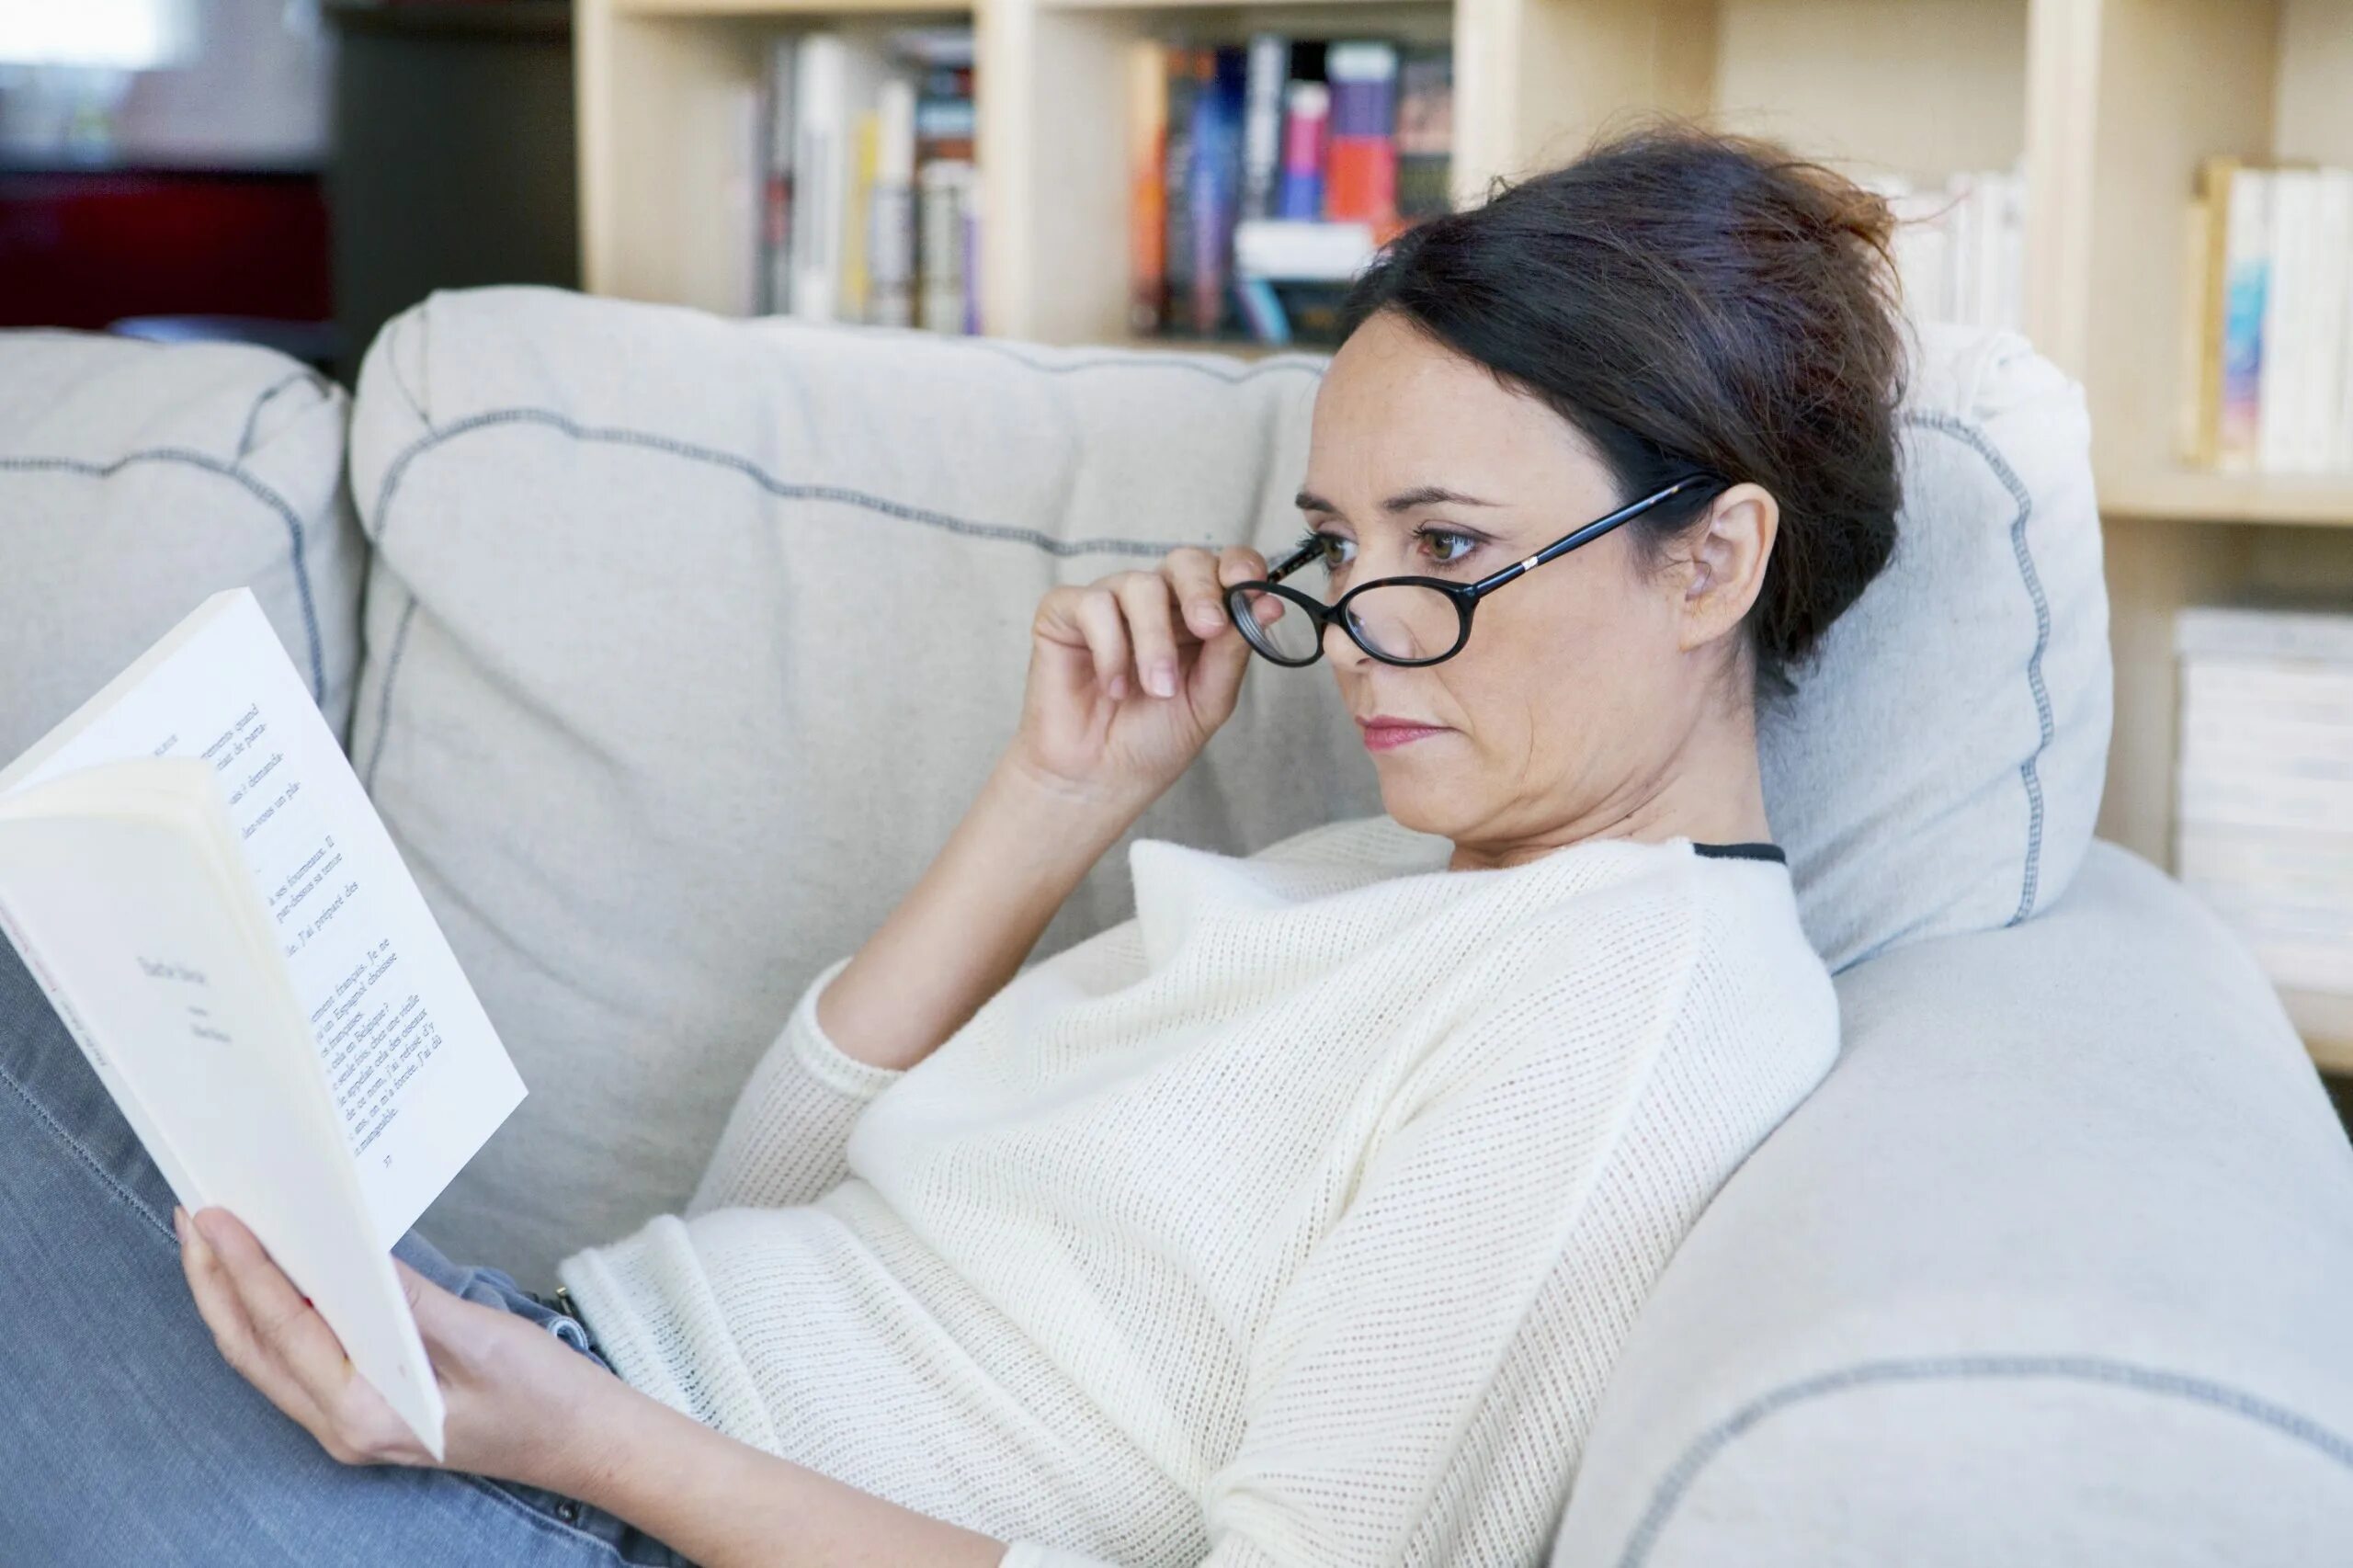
(418, 1074)
(133, 924)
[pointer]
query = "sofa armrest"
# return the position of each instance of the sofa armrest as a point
(2053, 1268)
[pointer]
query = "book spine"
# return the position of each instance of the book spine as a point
(969, 256)
(891, 239)
(2245, 279)
(1307, 122)
(1362, 177)
(2199, 366)
(2227, 631)
(819, 162)
(2279, 378)
(1214, 193)
(776, 192)
(946, 183)
(2330, 244)
(1267, 69)
(1147, 186)
(1185, 65)
(1425, 131)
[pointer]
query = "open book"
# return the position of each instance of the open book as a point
(193, 874)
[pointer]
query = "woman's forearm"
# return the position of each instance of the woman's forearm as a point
(727, 1504)
(961, 933)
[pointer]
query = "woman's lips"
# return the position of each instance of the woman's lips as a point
(1382, 737)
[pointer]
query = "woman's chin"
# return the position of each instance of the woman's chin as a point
(1412, 798)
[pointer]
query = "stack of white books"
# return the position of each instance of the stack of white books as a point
(2263, 825)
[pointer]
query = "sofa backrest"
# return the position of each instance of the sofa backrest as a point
(691, 640)
(136, 479)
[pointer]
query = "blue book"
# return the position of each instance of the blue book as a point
(1214, 189)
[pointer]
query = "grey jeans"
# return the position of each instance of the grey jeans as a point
(127, 1439)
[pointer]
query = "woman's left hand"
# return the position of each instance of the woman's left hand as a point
(499, 1374)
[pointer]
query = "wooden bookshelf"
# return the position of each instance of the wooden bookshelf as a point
(2326, 1023)
(2108, 104)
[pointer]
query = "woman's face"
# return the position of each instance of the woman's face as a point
(1566, 712)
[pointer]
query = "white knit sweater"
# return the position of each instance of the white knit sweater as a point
(1296, 1220)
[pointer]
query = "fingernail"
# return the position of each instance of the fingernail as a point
(1161, 679)
(1206, 617)
(179, 1223)
(1119, 687)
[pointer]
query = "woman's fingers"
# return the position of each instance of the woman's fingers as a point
(1144, 597)
(1239, 563)
(222, 1304)
(1098, 618)
(1192, 575)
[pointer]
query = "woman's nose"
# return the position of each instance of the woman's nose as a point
(1341, 648)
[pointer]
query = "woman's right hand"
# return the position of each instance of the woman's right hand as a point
(1130, 674)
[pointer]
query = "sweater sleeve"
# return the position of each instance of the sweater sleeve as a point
(785, 1141)
(1430, 1314)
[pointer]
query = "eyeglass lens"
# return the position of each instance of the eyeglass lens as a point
(1393, 621)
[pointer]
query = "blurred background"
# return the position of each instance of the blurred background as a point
(289, 172)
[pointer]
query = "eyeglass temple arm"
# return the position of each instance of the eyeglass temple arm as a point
(1584, 535)
(1293, 561)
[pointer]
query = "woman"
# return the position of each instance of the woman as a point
(1297, 1220)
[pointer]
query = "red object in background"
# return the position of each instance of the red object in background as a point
(86, 249)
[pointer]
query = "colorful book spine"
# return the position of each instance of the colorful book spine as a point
(775, 186)
(1267, 69)
(1307, 121)
(891, 238)
(1214, 190)
(2246, 276)
(1362, 179)
(1425, 131)
(1147, 186)
(1185, 69)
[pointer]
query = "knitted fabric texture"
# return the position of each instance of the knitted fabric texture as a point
(1296, 1220)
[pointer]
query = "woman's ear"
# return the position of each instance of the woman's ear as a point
(1725, 567)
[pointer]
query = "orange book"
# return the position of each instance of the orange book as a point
(1147, 186)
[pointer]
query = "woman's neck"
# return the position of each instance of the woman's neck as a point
(1711, 791)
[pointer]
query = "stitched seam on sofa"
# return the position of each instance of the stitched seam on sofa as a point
(1677, 1483)
(783, 489)
(260, 491)
(384, 696)
(253, 415)
(1151, 361)
(2029, 773)
(83, 1155)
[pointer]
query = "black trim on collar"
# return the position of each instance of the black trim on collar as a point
(1740, 851)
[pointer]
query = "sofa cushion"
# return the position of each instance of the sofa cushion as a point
(691, 640)
(137, 478)
(2052, 1268)
(1941, 767)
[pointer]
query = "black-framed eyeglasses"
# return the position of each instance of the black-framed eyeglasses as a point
(1399, 621)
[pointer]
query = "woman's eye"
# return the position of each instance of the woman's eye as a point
(1442, 543)
(1335, 550)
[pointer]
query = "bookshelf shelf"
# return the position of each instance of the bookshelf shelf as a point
(2319, 500)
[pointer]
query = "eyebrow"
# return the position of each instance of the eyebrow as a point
(1404, 501)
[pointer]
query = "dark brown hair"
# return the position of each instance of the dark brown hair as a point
(1691, 301)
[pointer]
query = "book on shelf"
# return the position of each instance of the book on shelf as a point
(197, 881)
(2264, 782)
(850, 127)
(2268, 367)
(1264, 176)
(1959, 246)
